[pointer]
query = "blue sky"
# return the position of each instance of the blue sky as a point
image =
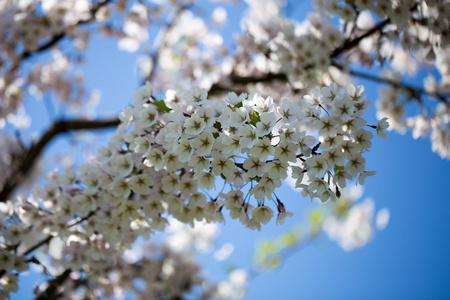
(408, 260)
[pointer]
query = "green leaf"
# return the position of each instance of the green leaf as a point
(238, 105)
(338, 168)
(255, 118)
(162, 105)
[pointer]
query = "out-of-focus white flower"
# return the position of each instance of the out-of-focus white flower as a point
(200, 236)
(234, 288)
(224, 252)
(382, 218)
(135, 34)
(355, 229)
(219, 16)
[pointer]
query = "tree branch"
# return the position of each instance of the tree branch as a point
(49, 237)
(349, 44)
(60, 35)
(398, 84)
(30, 157)
(234, 79)
(51, 291)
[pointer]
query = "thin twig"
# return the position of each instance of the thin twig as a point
(49, 237)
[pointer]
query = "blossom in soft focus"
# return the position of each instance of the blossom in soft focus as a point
(357, 226)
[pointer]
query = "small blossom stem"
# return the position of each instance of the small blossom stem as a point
(320, 105)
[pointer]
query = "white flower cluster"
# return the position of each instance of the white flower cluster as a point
(411, 35)
(357, 227)
(418, 35)
(432, 122)
(168, 155)
(32, 26)
(279, 45)
(25, 26)
(147, 270)
(203, 51)
(155, 273)
(245, 141)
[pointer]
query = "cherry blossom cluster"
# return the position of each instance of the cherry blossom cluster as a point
(248, 142)
(25, 27)
(31, 27)
(200, 47)
(410, 35)
(146, 270)
(280, 45)
(418, 34)
(168, 158)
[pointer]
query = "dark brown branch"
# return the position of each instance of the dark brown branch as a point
(349, 44)
(49, 237)
(28, 160)
(398, 84)
(254, 79)
(51, 292)
(234, 79)
(60, 35)
(39, 244)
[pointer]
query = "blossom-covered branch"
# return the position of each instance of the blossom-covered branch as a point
(52, 41)
(167, 157)
(191, 157)
(22, 165)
